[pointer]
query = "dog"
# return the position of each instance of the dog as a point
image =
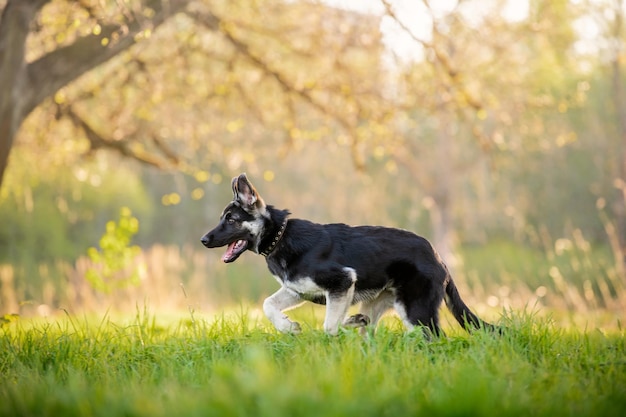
(339, 265)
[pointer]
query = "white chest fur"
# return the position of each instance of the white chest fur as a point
(303, 285)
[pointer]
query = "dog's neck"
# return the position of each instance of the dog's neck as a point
(275, 239)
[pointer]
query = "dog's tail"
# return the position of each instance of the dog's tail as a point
(461, 311)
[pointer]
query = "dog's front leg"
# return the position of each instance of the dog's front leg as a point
(338, 303)
(274, 305)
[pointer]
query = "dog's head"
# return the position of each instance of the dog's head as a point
(242, 222)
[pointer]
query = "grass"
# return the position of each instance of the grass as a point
(238, 366)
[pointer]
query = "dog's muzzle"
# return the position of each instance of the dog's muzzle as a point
(206, 240)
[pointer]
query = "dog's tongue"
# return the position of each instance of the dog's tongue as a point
(233, 250)
(230, 251)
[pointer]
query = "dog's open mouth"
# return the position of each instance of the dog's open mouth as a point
(234, 250)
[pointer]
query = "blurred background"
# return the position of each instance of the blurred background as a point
(496, 129)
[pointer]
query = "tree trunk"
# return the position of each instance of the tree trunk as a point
(14, 29)
(438, 199)
(441, 213)
(619, 205)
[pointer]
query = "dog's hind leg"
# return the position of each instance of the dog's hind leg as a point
(370, 313)
(374, 309)
(420, 312)
(338, 303)
(275, 304)
(356, 320)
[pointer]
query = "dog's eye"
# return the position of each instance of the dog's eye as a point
(230, 220)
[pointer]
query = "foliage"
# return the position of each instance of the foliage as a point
(491, 134)
(215, 69)
(226, 86)
(8, 319)
(114, 264)
(50, 213)
(233, 365)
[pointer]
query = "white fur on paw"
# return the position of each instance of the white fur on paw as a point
(288, 326)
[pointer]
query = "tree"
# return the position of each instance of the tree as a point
(209, 62)
(609, 52)
(26, 84)
(483, 82)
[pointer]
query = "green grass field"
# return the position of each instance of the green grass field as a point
(236, 365)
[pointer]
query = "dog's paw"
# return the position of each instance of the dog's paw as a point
(295, 328)
(290, 327)
(357, 320)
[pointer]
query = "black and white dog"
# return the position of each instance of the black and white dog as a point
(339, 265)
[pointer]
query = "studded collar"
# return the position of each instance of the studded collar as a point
(279, 235)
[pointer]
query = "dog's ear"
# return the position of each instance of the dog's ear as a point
(245, 194)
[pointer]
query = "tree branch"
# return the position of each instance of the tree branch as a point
(442, 58)
(123, 147)
(213, 22)
(63, 65)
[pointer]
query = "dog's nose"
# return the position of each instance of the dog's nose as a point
(205, 240)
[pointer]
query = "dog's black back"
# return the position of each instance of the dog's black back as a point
(309, 248)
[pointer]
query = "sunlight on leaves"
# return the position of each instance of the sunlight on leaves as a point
(115, 263)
